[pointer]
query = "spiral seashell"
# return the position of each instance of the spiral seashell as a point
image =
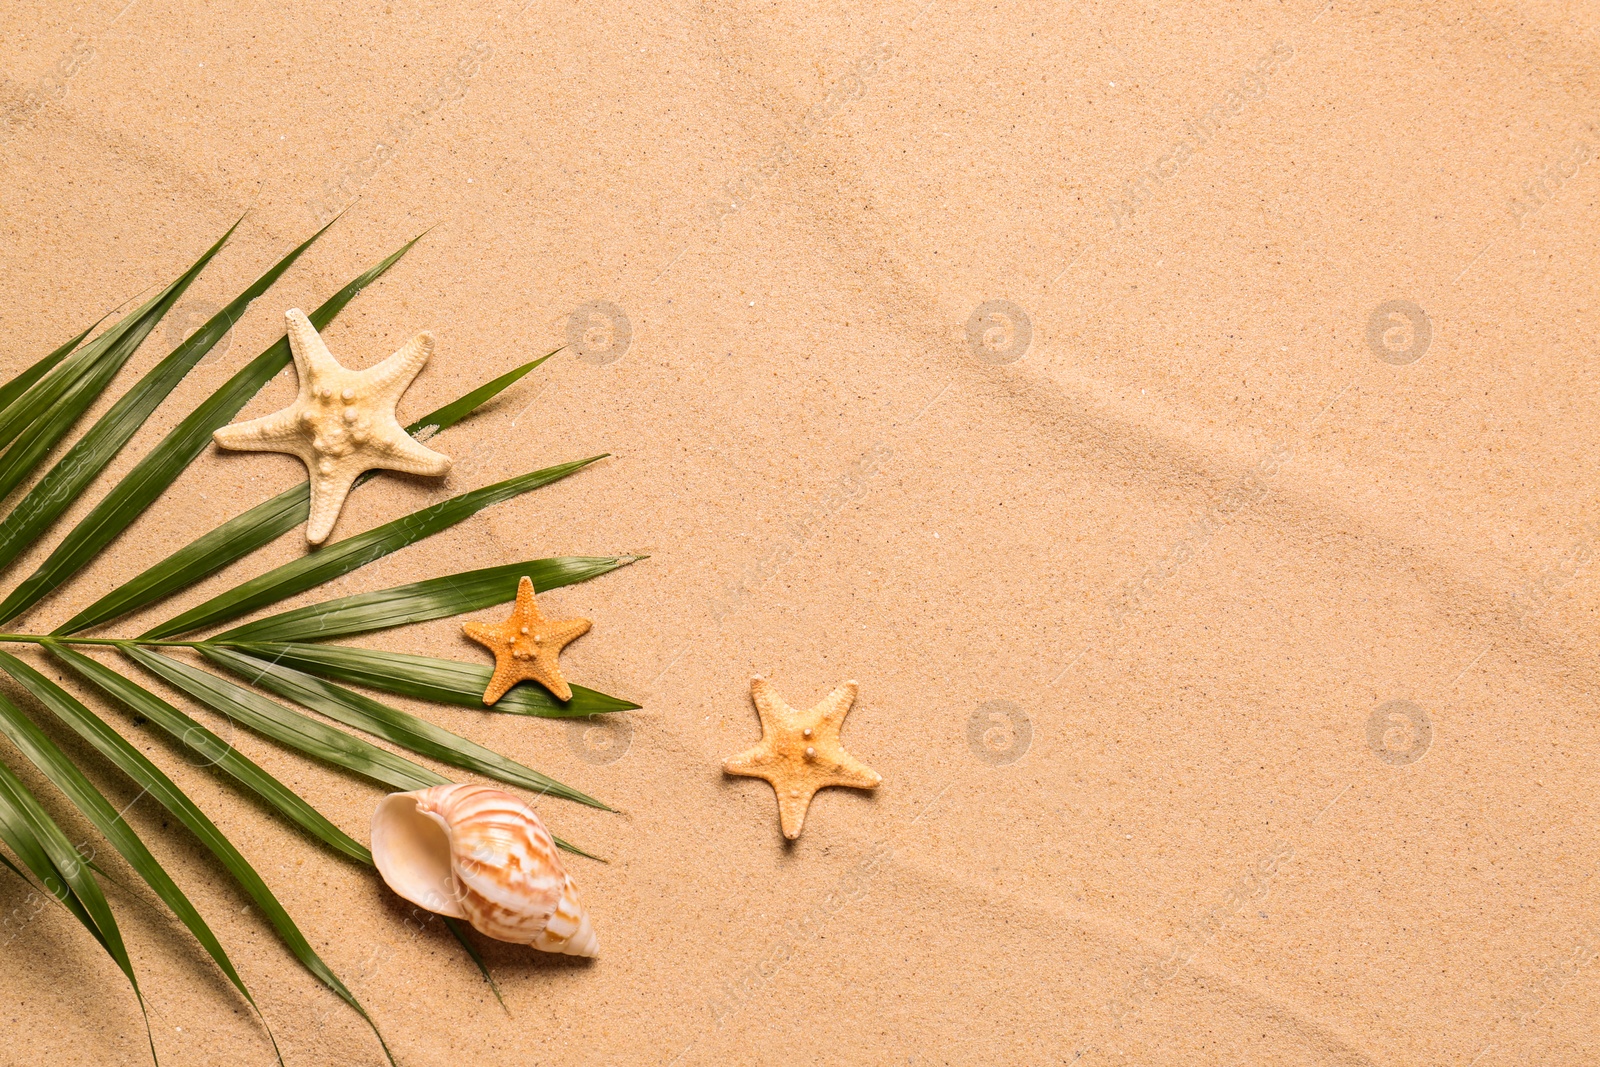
(477, 853)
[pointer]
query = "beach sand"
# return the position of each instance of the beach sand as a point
(1179, 420)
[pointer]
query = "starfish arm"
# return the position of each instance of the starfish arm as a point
(504, 678)
(278, 432)
(401, 453)
(801, 753)
(854, 774)
(793, 804)
(394, 375)
(547, 672)
(752, 763)
(836, 705)
(311, 356)
(484, 633)
(525, 609)
(769, 705)
(328, 491)
(560, 633)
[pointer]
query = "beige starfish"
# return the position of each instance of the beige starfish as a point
(800, 752)
(342, 423)
(527, 646)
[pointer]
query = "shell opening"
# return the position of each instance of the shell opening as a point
(411, 849)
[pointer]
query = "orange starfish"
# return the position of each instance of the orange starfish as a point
(800, 752)
(527, 646)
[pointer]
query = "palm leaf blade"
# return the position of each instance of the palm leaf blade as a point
(459, 409)
(47, 390)
(24, 810)
(286, 726)
(214, 751)
(459, 929)
(14, 869)
(341, 557)
(72, 782)
(24, 381)
(151, 476)
(445, 681)
(391, 724)
(434, 598)
(202, 557)
(135, 765)
(40, 436)
(19, 835)
(55, 418)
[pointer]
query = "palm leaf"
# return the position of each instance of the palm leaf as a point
(68, 478)
(55, 765)
(403, 729)
(22, 382)
(46, 391)
(445, 681)
(212, 749)
(54, 420)
(341, 557)
(149, 777)
(202, 557)
(18, 835)
(14, 869)
(28, 824)
(457, 410)
(245, 533)
(459, 929)
(288, 727)
(435, 598)
(166, 461)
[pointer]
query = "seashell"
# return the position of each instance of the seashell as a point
(478, 853)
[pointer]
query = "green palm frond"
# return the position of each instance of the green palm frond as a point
(211, 750)
(435, 598)
(158, 470)
(39, 843)
(24, 381)
(65, 775)
(279, 676)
